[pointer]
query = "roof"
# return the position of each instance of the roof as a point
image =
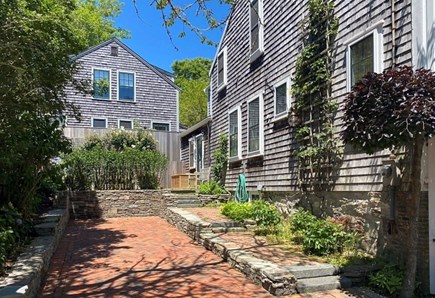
(200, 124)
(159, 71)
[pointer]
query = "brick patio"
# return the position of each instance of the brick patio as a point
(139, 257)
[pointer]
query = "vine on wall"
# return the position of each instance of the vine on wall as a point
(313, 111)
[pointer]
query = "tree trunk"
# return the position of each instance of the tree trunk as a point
(413, 207)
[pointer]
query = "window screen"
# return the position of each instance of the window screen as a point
(254, 125)
(362, 59)
(234, 129)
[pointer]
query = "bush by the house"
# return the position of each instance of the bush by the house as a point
(388, 280)
(118, 160)
(265, 214)
(211, 188)
(320, 236)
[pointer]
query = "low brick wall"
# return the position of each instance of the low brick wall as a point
(117, 203)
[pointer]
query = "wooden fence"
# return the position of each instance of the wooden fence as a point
(168, 143)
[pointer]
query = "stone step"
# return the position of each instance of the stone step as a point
(311, 271)
(188, 201)
(188, 205)
(228, 230)
(227, 224)
(51, 216)
(45, 229)
(324, 283)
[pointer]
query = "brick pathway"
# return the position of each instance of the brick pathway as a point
(139, 257)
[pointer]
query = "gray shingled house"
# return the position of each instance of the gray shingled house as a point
(139, 93)
(250, 100)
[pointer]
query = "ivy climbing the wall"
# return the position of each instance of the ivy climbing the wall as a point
(313, 111)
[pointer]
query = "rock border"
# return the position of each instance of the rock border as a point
(32, 265)
(275, 279)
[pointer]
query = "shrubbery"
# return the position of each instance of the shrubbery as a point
(265, 214)
(211, 188)
(388, 280)
(118, 160)
(319, 236)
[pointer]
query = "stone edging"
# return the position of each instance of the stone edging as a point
(275, 279)
(32, 265)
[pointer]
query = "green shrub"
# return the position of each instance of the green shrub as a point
(388, 280)
(211, 188)
(237, 211)
(265, 214)
(121, 159)
(14, 230)
(318, 236)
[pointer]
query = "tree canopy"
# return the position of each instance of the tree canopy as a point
(192, 76)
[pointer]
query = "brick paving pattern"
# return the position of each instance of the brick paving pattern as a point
(139, 257)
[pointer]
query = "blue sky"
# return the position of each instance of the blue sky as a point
(149, 38)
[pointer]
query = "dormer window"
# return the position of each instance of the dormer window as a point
(256, 28)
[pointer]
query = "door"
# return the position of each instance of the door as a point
(199, 153)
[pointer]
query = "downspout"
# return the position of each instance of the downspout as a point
(393, 34)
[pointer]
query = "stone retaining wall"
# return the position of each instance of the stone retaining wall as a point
(32, 265)
(117, 203)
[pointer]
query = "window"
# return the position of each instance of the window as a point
(209, 104)
(101, 83)
(282, 98)
(222, 68)
(196, 153)
(256, 28)
(364, 54)
(99, 122)
(235, 133)
(161, 126)
(113, 51)
(125, 124)
(126, 87)
(255, 126)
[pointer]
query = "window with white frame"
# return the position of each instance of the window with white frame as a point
(209, 104)
(196, 153)
(364, 54)
(101, 83)
(125, 124)
(222, 68)
(235, 133)
(282, 98)
(126, 86)
(256, 28)
(255, 125)
(160, 126)
(99, 122)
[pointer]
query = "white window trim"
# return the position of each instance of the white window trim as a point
(192, 140)
(239, 134)
(260, 151)
(117, 85)
(378, 49)
(254, 56)
(224, 83)
(284, 114)
(99, 118)
(208, 92)
(129, 120)
(196, 149)
(110, 82)
(160, 122)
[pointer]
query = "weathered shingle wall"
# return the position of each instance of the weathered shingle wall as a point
(156, 99)
(282, 44)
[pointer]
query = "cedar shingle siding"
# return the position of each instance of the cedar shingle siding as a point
(156, 94)
(277, 170)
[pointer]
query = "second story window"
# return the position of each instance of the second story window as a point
(101, 83)
(99, 122)
(256, 28)
(235, 133)
(161, 126)
(126, 86)
(282, 96)
(222, 68)
(125, 124)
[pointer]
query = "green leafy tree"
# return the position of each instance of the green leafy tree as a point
(392, 109)
(192, 76)
(93, 21)
(38, 37)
